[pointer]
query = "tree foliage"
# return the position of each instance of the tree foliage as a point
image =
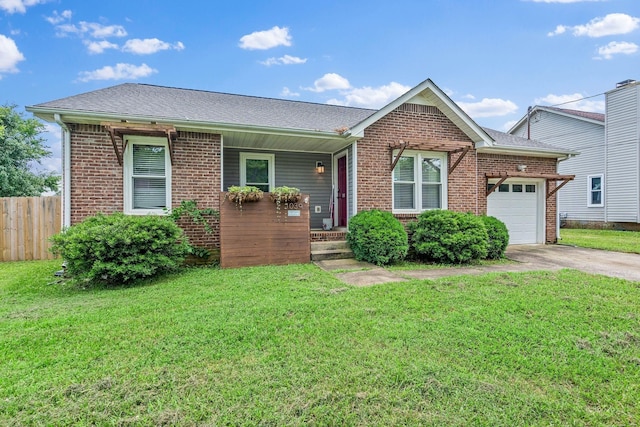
(20, 146)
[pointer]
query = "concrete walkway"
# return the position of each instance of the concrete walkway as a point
(525, 257)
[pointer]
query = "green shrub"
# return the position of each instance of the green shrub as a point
(498, 236)
(377, 237)
(120, 249)
(450, 237)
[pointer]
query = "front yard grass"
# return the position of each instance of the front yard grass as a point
(293, 345)
(610, 240)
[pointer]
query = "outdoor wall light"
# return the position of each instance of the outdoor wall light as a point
(522, 168)
(319, 167)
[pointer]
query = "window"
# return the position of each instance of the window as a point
(516, 188)
(419, 181)
(530, 188)
(147, 174)
(595, 188)
(503, 188)
(257, 169)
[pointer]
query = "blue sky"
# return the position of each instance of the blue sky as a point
(493, 57)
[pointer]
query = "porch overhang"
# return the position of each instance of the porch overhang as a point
(503, 176)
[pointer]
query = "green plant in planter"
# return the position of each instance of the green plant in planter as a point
(247, 193)
(284, 194)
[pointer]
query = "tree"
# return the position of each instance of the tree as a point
(20, 146)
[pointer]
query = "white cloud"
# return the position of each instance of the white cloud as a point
(615, 48)
(149, 46)
(119, 72)
(288, 93)
(330, 81)
(57, 18)
(284, 60)
(609, 25)
(508, 125)
(469, 96)
(569, 101)
(92, 29)
(371, 97)
(99, 46)
(261, 40)
(10, 55)
(488, 107)
(20, 6)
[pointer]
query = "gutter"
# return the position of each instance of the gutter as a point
(97, 118)
(66, 172)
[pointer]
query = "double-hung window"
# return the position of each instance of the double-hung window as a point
(419, 181)
(595, 190)
(258, 170)
(147, 175)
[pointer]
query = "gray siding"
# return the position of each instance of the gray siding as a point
(292, 170)
(577, 135)
(622, 158)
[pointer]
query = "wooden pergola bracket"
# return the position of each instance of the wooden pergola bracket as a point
(502, 176)
(120, 129)
(496, 186)
(465, 150)
(115, 144)
(402, 147)
(564, 182)
(446, 146)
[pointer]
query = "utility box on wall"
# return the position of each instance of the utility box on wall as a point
(264, 232)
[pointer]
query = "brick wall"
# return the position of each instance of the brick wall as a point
(409, 121)
(466, 184)
(97, 178)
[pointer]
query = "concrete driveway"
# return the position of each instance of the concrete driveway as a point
(527, 257)
(553, 257)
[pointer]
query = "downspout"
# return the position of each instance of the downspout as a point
(66, 172)
(556, 195)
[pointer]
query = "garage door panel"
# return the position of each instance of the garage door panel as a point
(519, 212)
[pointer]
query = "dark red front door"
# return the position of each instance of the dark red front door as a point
(342, 191)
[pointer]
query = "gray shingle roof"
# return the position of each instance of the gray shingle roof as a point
(586, 114)
(166, 103)
(507, 140)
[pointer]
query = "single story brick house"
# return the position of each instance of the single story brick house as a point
(139, 148)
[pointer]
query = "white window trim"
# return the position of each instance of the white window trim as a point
(417, 170)
(271, 158)
(590, 191)
(128, 174)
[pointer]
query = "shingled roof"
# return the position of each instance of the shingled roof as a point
(585, 114)
(507, 140)
(169, 104)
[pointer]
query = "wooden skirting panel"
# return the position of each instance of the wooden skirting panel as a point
(258, 234)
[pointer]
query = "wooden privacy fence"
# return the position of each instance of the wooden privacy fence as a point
(26, 223)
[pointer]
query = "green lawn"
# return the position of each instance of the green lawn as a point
(610, 240)
(293, 345)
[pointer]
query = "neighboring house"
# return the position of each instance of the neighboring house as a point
(140, 148)
(606, 188)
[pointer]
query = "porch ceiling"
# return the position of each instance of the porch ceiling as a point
(283, 142)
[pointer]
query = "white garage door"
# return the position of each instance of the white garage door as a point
(516, 204)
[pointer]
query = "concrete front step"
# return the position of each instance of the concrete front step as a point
(330, 250)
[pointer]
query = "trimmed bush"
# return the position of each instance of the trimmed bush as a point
(498, 236)
(378, 237)
(120, 249)
(450, 237)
